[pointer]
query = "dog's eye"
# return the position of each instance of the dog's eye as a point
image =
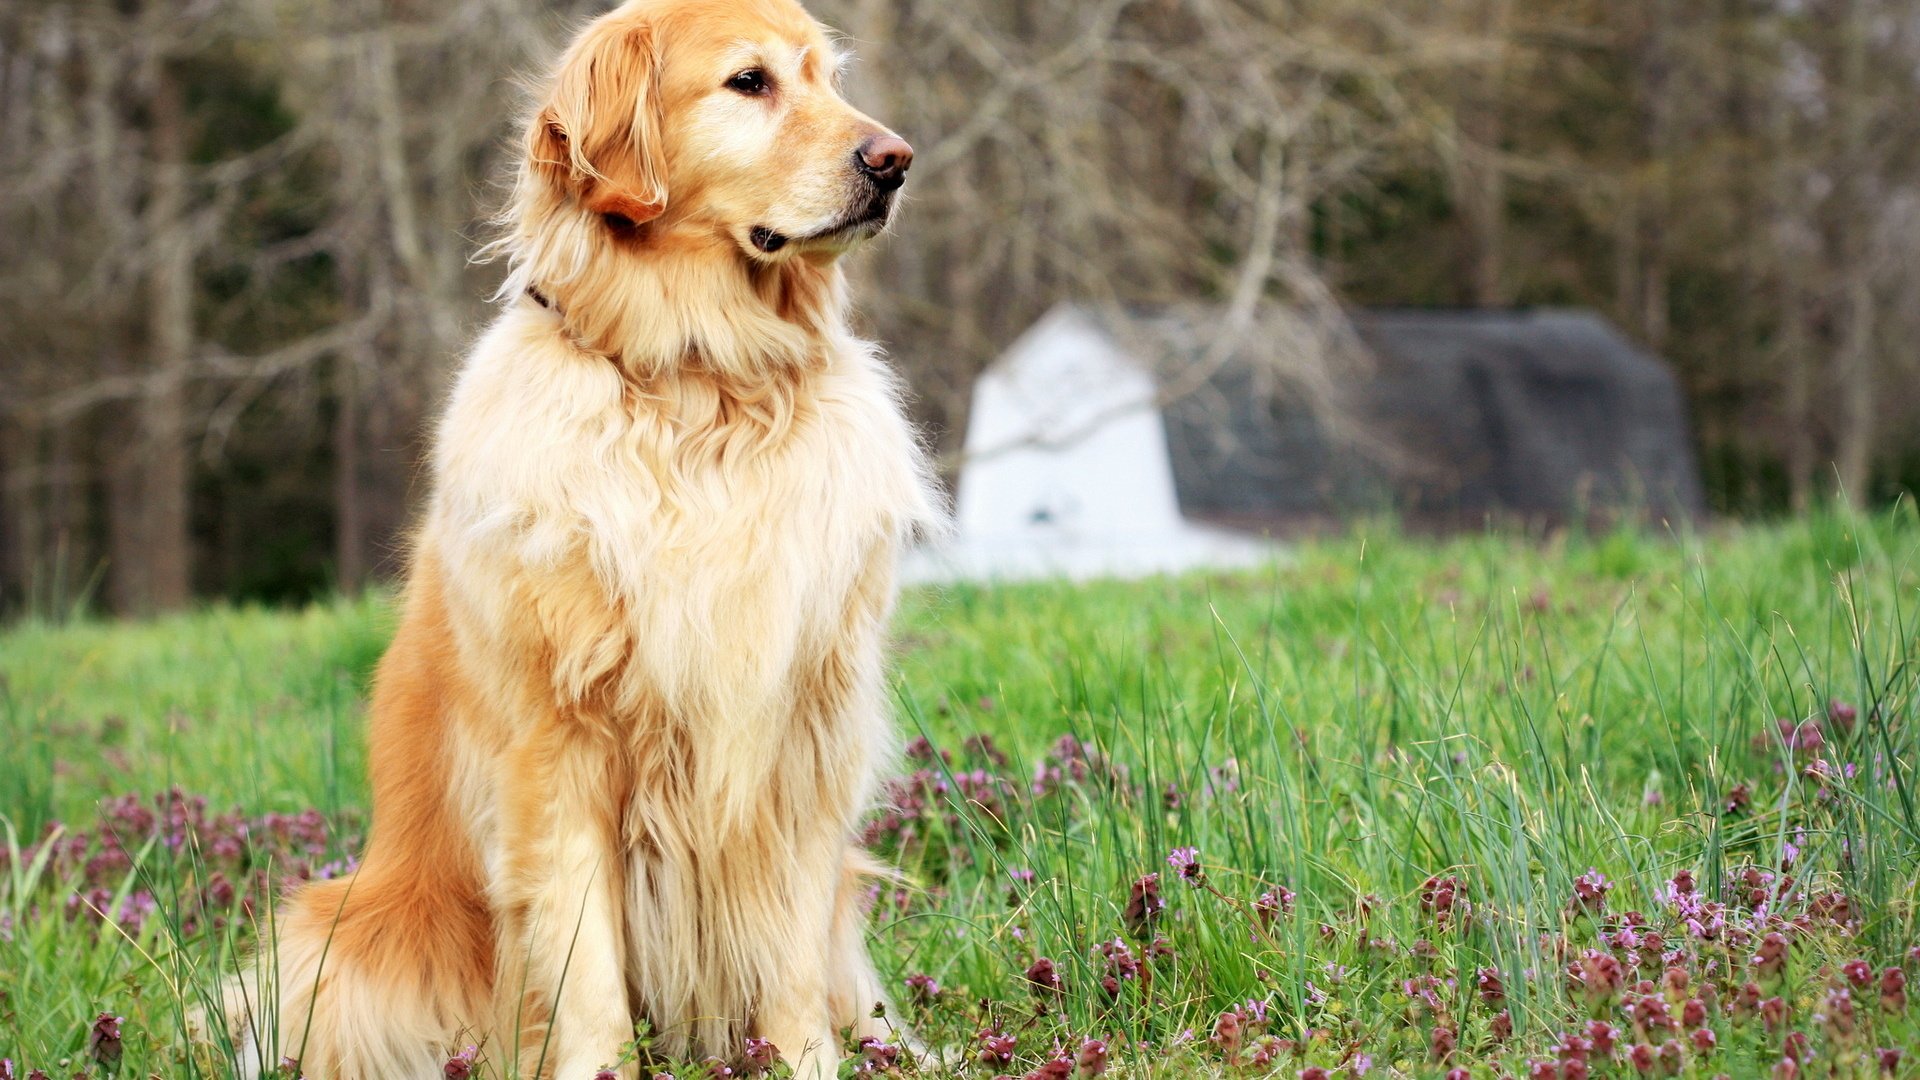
(751, 82)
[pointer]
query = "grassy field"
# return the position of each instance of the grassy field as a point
(1603, 805)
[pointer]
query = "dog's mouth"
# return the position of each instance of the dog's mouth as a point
(866, 222)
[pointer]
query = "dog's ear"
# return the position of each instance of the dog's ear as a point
(598, 135)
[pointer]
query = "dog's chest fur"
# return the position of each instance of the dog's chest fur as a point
(681, 551)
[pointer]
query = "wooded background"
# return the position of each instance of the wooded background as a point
(234, 234)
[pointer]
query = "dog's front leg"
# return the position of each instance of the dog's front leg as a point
(794, 1014)
(562, 954)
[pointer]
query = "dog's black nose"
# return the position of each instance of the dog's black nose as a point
(885, 158)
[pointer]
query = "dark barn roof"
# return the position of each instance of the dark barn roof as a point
(1464, 415)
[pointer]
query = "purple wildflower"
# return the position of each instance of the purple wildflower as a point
(877, 1056)
(922, 988)
(1772, 956)
(1738, 799)
(1143, 905)
(103, 1042)
(1602, 1036)
(1057, 1067)
(1043, 978)
(1441, 1045)
(460, 1065)
(1186, 862)
(757, 1056)
(1091, 1061)
(1893, 990)
(1272, 904)
(996, 1047)
(1590, 893)
(1227, 1033)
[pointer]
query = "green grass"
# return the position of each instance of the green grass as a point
(1381, 711)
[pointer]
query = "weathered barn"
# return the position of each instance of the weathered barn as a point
(1461, 416)
(1112, 443)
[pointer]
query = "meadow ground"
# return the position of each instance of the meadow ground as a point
(1603, 805)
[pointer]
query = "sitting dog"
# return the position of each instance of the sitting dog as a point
(634, 710)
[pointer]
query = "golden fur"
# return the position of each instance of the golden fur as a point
(634, 709)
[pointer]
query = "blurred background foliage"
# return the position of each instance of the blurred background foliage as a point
(234, 234)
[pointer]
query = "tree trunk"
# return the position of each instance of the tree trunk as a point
(1854, 439)
(1480, 182)
(1626, 255)
(1796, 406)
(152, 486)
(1783, 216)
(1656, 204)
(19, 516)
(349, 501)
(129, 591)
(65, 548)
(1854, 359)
(1734, 41)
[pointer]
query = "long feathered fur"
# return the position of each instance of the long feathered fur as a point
(634, 708)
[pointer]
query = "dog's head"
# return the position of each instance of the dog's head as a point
(716, 119)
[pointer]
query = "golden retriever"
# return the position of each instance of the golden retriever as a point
(634, 709)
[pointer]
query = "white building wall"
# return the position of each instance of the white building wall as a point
(1067, 472)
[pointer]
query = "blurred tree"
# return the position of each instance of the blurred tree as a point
(234, 236)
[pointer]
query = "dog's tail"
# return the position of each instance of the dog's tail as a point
(365, 978)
